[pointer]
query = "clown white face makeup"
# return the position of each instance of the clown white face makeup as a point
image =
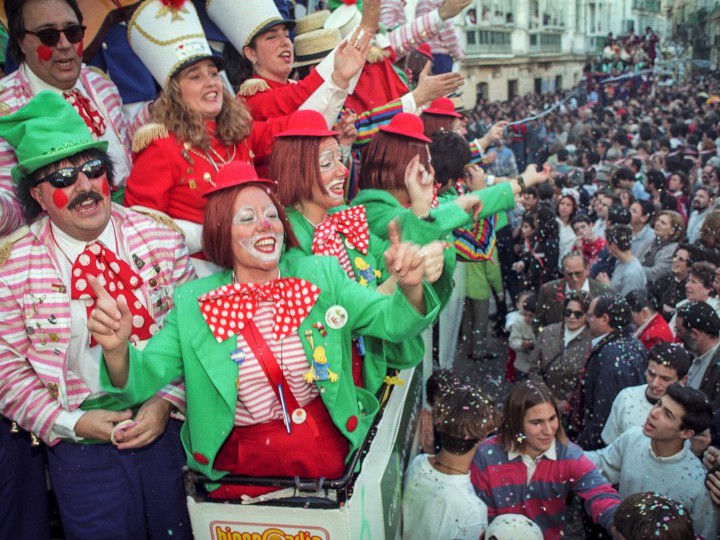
(257, 234)
(333, 175)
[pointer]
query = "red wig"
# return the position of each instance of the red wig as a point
(295, 165)
(436, 122)
(217, 224)
(386, 158)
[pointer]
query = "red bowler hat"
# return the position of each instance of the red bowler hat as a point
(425, 50)
(236, 173)
(442, 106)
(407, 125)
(307, 123)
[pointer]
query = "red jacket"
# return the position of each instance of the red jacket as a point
(168, 177)
(656, 331)
(282, 99)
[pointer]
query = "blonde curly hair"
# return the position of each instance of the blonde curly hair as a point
(233, 123)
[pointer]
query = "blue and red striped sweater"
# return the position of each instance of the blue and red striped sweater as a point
(502, 485)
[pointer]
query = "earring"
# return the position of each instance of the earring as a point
(520, 438)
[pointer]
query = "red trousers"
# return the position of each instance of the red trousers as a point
(269, 450)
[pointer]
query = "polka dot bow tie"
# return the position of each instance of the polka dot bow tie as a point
(118, 279)
(352, 222)
(227, 308)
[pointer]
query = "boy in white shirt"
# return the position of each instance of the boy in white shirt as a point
(439, 501)
(655, 458)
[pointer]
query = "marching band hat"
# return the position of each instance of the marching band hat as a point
(243, 21)
(167, 36)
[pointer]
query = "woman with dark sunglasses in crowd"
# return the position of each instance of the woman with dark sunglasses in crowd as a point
(563, 347)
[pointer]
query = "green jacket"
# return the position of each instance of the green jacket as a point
(378, 353)
(186, 346)
(382, 207)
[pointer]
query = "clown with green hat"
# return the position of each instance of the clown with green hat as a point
(50, 385)
(46, 130)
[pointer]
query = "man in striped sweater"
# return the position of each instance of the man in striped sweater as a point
(530, 467)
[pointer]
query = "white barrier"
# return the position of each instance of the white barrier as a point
(374, 510)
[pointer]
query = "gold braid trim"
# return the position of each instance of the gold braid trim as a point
(7, 243)
(99, 71)
(377, 54)
(147, 134)
(158, 217)
(252, 87)
(4, 109)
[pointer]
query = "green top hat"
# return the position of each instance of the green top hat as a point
(44, 131)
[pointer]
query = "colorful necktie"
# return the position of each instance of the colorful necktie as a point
(87, 111)
(118, 279)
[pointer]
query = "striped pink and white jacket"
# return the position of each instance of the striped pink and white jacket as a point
(15, 93)
(448, 40)
(409, 35)
(35, 383)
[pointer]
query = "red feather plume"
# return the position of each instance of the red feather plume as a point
(174, 4)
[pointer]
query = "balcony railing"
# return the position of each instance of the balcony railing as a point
(487, 42)
(544, 43)
(595, 44)
(647, 5)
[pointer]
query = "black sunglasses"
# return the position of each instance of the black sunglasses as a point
(51, 36)
(572, 313)
(67, 176)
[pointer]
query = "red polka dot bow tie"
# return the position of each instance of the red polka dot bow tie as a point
(352, 222)
(87, 111)
(118, 279)
(227, 308)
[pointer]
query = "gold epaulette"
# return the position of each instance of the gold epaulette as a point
(7, 243)
(252, 87)
(377, 54)
(147, 134)
(158, 217)
(4, 109)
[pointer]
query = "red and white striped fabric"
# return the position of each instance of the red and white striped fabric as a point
(15, 93)
(35, 328)
(257, 401)
(392, 13)
(447, 41)
(419, 30)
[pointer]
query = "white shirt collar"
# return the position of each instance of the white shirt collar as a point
(597, 340)
(585, 287)
(72, 247)
(550, 453)
(37, 85)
